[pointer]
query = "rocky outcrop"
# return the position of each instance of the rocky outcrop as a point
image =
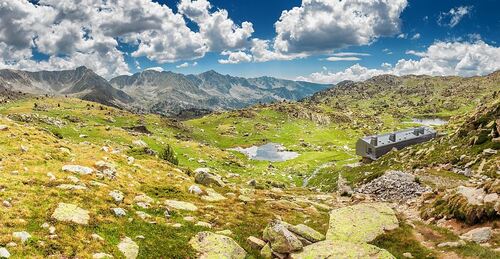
(204, 177)
(71, 213)
(211, 245)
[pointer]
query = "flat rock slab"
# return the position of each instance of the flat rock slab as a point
(211, 245)
(129, 248)
(341, 249)
(361, 223)
(181, 205)
(71, 213)
(307, 233)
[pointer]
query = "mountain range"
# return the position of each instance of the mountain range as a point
(165, 93)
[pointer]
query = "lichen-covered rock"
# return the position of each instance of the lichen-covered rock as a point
(361, 222)
(282, 240)
(266, 252)
(341, 249)
(212, 196)
(307, 233)
(129, 248)
(255, 243)
(211, 245)
(203, 176)
(71, 213)
(181, 205)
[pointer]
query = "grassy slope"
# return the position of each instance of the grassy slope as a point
(34, 197)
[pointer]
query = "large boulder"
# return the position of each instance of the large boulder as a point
(341, 249)
(361, 223)
(71, 213)
(203, 176)
(211, 245)
(282, 240)
(478, 235)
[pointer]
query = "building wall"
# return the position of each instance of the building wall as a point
(362, 146)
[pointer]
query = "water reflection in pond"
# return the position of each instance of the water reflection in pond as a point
(269, 152)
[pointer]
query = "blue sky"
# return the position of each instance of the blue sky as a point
(315, 40)
(418, 17)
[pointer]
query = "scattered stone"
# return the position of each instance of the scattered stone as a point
(119, 212)
(478, 235)
(22, 235)
(341, 249)
(101, 256)
(394, 186)
(78, 169)
(71, 213)
(211, 245)
(7, 204)
(452, 244)
(4, 127)
(72, 187)
(4, 253)
(266, 251)
(204, 177)
(361, 222)
(181, 205)
(128, 248)
(117, 196)
(203, 224)
(489, 152)
(343, 189)
(307, 233)
(255, 243)
(143, 215)
(139, 143)
(474, 196)
(212, 196)
(195, 189)
(51, 176)
(143, 201)
(281, 239)
(244, 198)
(407, 255)
(490, 198)
(225, 232)
(96, 237)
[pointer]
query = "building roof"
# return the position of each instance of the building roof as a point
(401, 135)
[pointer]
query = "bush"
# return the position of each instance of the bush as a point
(168, 154)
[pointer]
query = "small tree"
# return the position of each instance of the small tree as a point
(168, 154)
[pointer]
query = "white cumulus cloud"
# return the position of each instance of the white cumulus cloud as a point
(441, 58)
(235, 57)
(454, 16)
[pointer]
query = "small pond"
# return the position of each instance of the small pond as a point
(429, 121)
(269, 152)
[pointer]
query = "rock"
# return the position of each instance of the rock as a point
(281, 239)
(4, 127)
(225, 232)
(489, 152)
(490, 198)
(143, 215)
(22, 235)
(203, 224)
(343, 189)
(212, 196)
(78, 169)
(96, 237)
(266, 251)
(129, 248)
(119, 212)
(117, 196)
(7, 204)
(139, 143)
(106, 168)
(478, 235)
(181, 205)
(341, 249)
(307, 233)
(211, 245)
(361, 222)
(474, 196)
(407, 255)
(72, 187)
(101, 256)
(195, 189)
(393, 186)
(452, 244)
(244, 198)
(255, 243)
(143, 201)
(4, 253)
(71, 213)
(204, 177)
